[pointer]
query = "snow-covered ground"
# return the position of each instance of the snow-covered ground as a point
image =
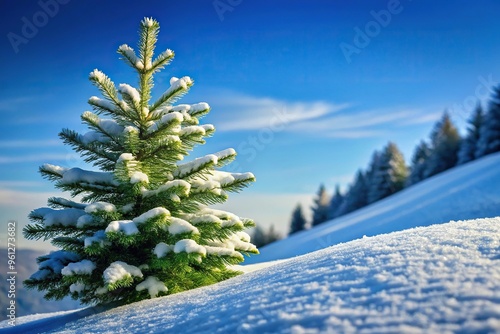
(438, 279)
(442, 278)
(466, 192)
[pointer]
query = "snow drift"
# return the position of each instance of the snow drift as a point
(465, 192)
(442, 278)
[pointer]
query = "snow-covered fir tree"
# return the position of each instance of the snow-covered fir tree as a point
(357, 195)
(320, 207)
(335, 203)
(388, 174)
(489, 141)
(469, 145)
(141, 226)
(445, 143)
(298, 222)
(419, 162)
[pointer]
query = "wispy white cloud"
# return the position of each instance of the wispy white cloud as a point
(359, 124)
(34, 157)
(23, 199)
(29, 143)
(28, 105)
(13, 103)
(21, 184)
(250, 113)
(320, 118)
(353, 134)
(424, 118)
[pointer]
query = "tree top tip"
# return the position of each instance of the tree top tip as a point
(149, 22)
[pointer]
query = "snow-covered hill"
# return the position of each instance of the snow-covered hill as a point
(431, 279)
(437, 279)
(465, 192)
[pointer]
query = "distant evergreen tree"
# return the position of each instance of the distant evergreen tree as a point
(356, 197)
(272, 235)
(388, 175)
(418, 163)
(372, 167)
(320, 207)
(259, 236)
(469, 145)
(445, 143)
(489, 141)
(298, 221)
(262, 238)
(335, 203)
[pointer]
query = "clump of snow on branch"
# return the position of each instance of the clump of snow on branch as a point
(162, 249)
(131, 56)
(138, 177)
(153, 285)
(100, 206)
(77, 287)
(85, 220)
(151, 214)
(84, 267)
(178, 226)
(148, 22)
(119, 270)
(54, 263)
(183, 185)
(99, 237)
(128, 227)
(78, 175)
(165, 119)
(189, 246)
(126, 89)
(105, 104)
(97, 75)
(63, 217)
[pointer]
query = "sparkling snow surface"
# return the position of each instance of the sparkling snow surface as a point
(438, 279)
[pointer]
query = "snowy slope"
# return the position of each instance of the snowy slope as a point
(437, 279)
(465, 192)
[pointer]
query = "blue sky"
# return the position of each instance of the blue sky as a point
(299, 108)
